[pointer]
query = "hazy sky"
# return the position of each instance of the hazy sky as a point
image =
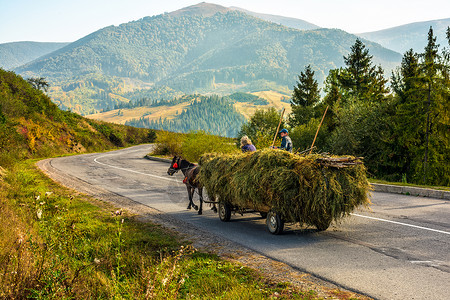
(67, 21)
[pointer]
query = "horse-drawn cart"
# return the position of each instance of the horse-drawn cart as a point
(284, 187)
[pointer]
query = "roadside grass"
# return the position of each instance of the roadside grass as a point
(58, 244)
(445, 188)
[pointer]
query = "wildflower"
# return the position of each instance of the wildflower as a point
(164, 281)
(20, 239)
(117, 212)
(39, 213)
(37, 197)
(41, 203)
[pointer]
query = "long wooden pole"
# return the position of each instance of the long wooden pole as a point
(318, 129)
(278, 128)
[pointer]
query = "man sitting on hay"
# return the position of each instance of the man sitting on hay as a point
(286, 142)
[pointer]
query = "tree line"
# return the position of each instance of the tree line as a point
(400, 126)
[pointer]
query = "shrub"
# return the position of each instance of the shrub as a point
(303, 135)
(168, 143)
(198, 143)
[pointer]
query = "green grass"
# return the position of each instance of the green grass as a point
(445, 188)
(55, 243)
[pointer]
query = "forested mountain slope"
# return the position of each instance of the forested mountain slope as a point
(189, 53)
(15, 54)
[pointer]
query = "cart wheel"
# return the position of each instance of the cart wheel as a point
(274, 222)
(224, 211)
(263, 214)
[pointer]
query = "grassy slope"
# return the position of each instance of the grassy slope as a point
(55, 243)
(32, 126)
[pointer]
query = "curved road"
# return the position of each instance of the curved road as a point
(400, 249)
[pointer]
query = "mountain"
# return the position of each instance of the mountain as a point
(414, 35)
(285, 21)
(200, 49)
(19, 53)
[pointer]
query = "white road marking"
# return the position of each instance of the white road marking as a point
(129, 170)
(399, 223)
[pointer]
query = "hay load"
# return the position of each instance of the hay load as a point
(310, 189)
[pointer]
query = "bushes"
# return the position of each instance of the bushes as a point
(192, 145)
(168, 143)
(303, 135)
(198, 143)
(261, 127)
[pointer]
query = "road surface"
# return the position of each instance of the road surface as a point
(399, 249)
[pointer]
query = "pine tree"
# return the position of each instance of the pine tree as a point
(430, 71)
(305, 97)
(360, 78)
(422, 87)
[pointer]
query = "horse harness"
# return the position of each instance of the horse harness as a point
(188, 172)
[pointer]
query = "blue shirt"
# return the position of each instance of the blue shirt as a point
(248, 148)
(286, 143)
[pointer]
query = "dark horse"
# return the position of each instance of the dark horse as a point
(190, 172)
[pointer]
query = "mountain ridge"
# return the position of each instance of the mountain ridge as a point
(413, 35)
(282, 20)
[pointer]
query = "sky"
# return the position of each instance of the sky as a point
(67, 21)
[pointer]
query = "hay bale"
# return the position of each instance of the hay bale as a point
(306, 189)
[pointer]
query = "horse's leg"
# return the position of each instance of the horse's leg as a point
(200, 193)
(190, 196)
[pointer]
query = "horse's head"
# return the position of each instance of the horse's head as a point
(174, 166)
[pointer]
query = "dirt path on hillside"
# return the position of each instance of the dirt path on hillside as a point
(273, 271)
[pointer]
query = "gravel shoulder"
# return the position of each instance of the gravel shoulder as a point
(272, 270)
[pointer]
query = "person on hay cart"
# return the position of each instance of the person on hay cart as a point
(246, 144)
(286, 142)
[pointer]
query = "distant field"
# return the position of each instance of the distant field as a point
(274, 98)
(120, 116)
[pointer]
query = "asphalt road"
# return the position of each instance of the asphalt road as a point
(400, 249)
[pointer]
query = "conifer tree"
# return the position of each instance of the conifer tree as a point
(360, 78)
(305, 97)
(421, 118)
